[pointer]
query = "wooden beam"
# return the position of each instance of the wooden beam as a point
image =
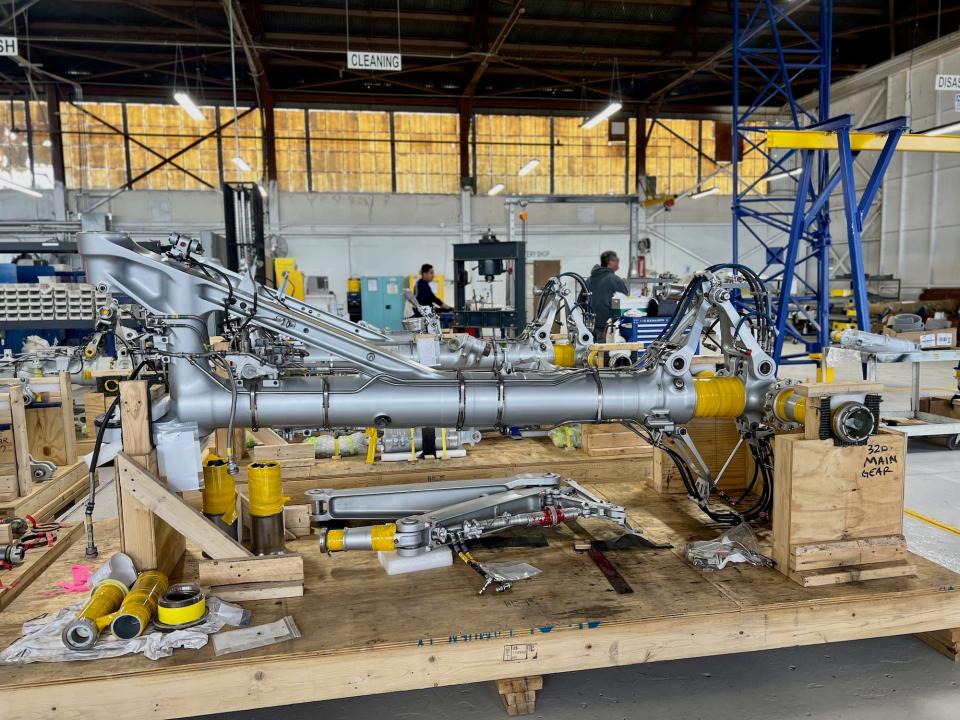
(236, 571)
(145, 488)
(21, 440)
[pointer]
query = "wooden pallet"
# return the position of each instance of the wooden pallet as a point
(46, 499)
(365, 632)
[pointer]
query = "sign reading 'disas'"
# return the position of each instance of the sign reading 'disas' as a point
(373, 61)
(8, 46)
(948, 83)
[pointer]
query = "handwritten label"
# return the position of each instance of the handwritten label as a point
(880, 461)
(523, 651)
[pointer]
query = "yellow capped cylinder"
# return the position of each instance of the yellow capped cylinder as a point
(719, 396)
(219, 491)
(379, 538)
(790, 407)
(266, 489)
(564, 355)
(139, 606)
(353, 285)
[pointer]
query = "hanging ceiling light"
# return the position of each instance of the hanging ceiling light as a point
(528, 168)
(190, 107)
(4, 183)
(612, 109)
(703, 193)
(241, 164)
(785, 174)
(496, 189)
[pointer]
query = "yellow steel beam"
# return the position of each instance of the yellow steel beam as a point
(818, 140)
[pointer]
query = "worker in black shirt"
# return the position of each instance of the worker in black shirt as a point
(424, 293)
(603, 284)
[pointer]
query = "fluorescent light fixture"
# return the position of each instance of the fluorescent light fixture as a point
(189, 106)
(19, 188)
(241, 164)
(497, 189)
(612, 109)
(262, 189)
(703, 193)
(786, 174)
(528, 168)
(943, 129)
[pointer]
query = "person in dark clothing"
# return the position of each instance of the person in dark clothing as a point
(603, 284)
(424, 293)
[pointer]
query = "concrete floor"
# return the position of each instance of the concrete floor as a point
(876, 679)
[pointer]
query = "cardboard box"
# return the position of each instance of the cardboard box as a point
(927, 339)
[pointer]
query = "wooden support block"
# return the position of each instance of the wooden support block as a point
(266, 436)
(853, 573)
(946, 642)
(135, 418)
(248, 592)
(6, 533)
(606, 439)
(18, 421)
(246, 570)
(812, 390)
(144, 487)
(519, 695)
(815, 556)
(66, 415)
(284, 453)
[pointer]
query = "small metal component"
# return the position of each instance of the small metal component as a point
(12, 554)
(41, 470)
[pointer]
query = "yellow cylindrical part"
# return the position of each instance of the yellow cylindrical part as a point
(790, 407)
(818, 357)
(266, 489)
(379, 538)
(353, 285)
(94, 616)
(564, 355)
(139, 606)
(719, 396)
(219, 490)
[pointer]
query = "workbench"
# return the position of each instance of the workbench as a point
(365, 632)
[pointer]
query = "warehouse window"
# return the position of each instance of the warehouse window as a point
(350, 151)
(586, 162)
(753, 164)
(672, 156)
(506, 144)
(291, 148)
(25, 144)
(427, 151)
(94, 156)
(158, 132)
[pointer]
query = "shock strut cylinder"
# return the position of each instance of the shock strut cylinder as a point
(266, 508)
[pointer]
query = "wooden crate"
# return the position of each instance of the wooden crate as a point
(838, 511)
(613, 439)
(48, 498)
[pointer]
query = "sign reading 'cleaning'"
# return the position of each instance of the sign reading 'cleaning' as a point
(373, 61)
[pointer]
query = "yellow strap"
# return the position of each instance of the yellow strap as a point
(413, 447)
(371, 445)
(443, 441)
(182, 615)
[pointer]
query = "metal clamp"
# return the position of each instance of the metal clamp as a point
(254, 422)
(596, 376)
(326, 401)
(461, 415)
(501, 399)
